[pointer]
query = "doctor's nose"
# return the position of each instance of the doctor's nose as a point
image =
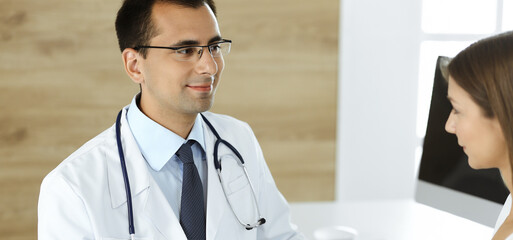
(207, 64)
(450, 124)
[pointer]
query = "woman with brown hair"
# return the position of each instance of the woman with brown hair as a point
(481, 93)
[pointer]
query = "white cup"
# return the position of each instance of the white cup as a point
(335, 233)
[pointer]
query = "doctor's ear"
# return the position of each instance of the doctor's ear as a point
(132, 63)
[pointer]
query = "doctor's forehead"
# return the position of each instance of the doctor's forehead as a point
(183, 23)
(177, 12)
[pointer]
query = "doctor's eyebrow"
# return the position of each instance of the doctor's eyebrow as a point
(195, 42)
(215, 39)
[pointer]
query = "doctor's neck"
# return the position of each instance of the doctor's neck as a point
(179, 123)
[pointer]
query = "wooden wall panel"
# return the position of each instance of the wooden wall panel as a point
(281, 77)
(62, 82)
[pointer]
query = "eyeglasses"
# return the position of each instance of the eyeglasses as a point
(193, 53)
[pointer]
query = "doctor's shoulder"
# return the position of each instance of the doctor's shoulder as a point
(240, 135)
(228, 125)
(87, 162)
(71, 190)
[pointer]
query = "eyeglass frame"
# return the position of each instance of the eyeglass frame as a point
(137, 48)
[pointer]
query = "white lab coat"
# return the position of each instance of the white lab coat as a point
(84, 197)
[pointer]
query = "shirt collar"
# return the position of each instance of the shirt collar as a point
(157, 143)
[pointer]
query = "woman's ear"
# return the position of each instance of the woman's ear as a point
(132, 63)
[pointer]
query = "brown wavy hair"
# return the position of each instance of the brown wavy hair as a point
(485, 71)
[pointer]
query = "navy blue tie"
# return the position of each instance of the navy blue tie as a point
(192, 208)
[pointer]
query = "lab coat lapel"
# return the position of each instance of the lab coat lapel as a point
(136, 167)
(158, 210)
(216, 202)
(156, 207)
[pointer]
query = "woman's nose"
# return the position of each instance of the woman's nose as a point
(449, 125)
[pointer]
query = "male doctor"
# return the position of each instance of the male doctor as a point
(174, 50)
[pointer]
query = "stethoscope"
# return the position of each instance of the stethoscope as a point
(217, 164)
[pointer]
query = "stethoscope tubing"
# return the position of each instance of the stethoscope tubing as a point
(217, 164)
(131, 225)
(219, 141)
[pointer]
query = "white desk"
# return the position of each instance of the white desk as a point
(387, 220)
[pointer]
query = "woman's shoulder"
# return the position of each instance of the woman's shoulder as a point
(504, 232)
(504, 213)
(503, 227)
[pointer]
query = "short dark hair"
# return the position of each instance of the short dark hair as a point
(134, 24)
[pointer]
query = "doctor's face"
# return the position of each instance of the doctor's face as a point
(481, 137)
(178, 88)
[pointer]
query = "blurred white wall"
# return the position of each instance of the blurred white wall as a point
(379, 56)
